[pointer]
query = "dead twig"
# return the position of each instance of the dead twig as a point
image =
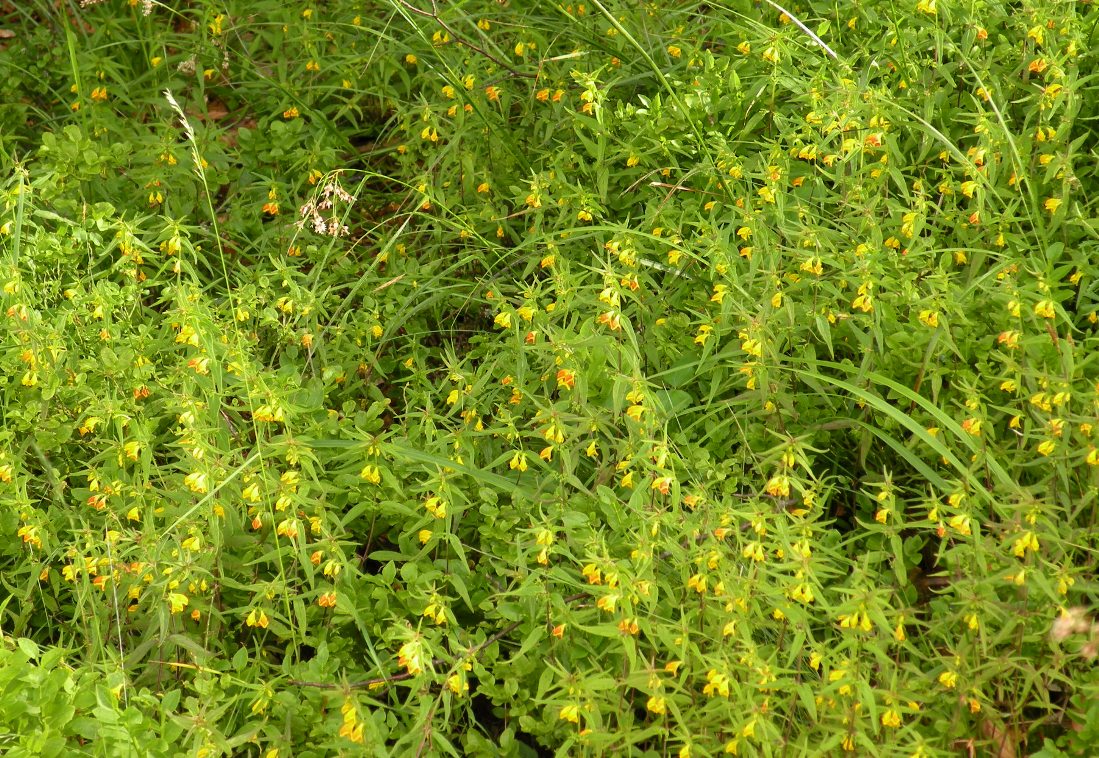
(381, 680)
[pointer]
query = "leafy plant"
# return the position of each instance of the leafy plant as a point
(597, 378)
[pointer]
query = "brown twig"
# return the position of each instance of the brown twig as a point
(366, 683)
(434, 16)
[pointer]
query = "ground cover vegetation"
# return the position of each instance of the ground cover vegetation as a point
(515, 378)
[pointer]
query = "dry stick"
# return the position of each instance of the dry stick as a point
(434, 16)
(435, 661)
(427, 730)
(401, 677)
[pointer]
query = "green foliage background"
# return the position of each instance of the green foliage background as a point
(512, 378)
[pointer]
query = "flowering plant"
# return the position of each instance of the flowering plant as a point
(600, 378)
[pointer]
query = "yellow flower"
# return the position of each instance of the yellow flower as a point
(961, 523)
(436, 506)
(754, 551)
(674, 51)
(656, 704)
(436, 612)
(411, 656)
(132, 450)
(899, 634)
(29, 534)
(268, 414)
(1044, 308)
(1009, 339)
(457, 684)
(352, 728)
(717, 684)
(891, 718)
(697, 583)
(1063, 583)
(1024, 543)
(177, 602)
(663, 484)
(803, 593)
(196, 482)
(287, 527)
(592, 573)
(187, 335)
(929, 318)
(752, 347)
(570, 713)
(1052, 204)
(948, 679)
(371, 474)
(864, 303)
(972, 426)
(1046, 447)
(607, 602)
(778, 486)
